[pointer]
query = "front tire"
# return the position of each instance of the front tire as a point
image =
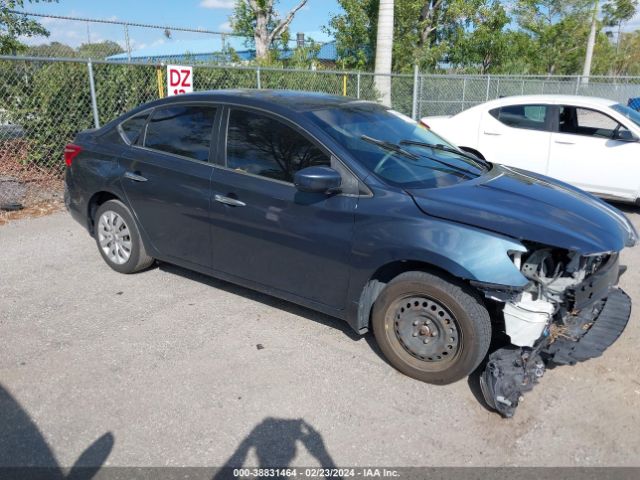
(431, 329)
(118, 238)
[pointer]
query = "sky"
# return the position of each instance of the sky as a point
(204, 14)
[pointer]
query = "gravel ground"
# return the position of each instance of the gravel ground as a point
(168, 367)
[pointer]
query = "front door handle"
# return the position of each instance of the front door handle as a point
(495, 134)
(562, 142)
(135, 177)
(229, 201)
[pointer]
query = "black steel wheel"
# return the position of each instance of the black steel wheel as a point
(426, 329)
(431, 329)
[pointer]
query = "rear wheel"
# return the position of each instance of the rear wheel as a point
(118, 238)
(431, 329)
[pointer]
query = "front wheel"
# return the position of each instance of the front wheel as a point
(118, 238)
(431, 329)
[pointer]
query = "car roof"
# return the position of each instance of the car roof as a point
(550, 99)
(292, 100)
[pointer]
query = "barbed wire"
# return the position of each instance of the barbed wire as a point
(126, 23)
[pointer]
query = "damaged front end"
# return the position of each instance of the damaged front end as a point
(571, 310)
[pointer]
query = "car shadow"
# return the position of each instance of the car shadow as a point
(275, 443)
(263, 298)
(25, 453)
(498, 340)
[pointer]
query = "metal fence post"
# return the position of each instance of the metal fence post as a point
(464, 91)
(577, 84)
(488, 87)
(127, 42)
(414, 109)
(420, 95)
(258, 82)
(358, 85)
(94, 102)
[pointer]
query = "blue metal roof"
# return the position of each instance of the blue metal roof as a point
(327, 53)
(207, 51)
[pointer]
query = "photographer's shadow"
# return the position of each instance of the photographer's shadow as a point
(24, 452)
(275, 443)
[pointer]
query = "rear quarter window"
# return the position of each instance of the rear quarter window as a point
(131, 129)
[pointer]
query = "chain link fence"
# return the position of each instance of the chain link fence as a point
(44, 102)
(451, 94)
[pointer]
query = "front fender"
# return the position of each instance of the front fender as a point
(403, 233)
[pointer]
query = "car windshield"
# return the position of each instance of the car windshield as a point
(630, 113)
(395, 147)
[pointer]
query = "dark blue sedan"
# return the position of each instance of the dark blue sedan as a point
(355, 210)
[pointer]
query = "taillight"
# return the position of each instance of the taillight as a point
(71, 151)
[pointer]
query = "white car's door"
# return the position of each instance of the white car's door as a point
(586, 153)
(517, 135)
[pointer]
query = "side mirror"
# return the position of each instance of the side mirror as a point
(625, 136)
(317, 179)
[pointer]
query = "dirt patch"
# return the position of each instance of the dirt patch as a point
(38, 210)
(27, 190)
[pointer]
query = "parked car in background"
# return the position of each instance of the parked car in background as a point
(353, 209)
(591, 143)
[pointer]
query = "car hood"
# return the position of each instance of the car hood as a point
(528, 206)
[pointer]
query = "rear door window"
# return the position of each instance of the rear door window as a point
(184, 130)
(528, 117)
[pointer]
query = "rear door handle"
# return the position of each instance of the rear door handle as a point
(229, 201)
(562, 142)
(135, 177)
(495, 134)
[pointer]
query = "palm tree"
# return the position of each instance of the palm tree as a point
(590, 44)
(384, 47)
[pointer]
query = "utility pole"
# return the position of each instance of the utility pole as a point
(384, 49)
(590, 45)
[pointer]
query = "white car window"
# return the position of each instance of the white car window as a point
(530, 117)
(587, 122)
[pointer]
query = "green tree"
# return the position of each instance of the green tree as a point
(53, 49)
(354, 30)
(305, 56)
(482, 44)
(617, 12)
(100, 50)
(559, 31)
(628, 58)
(14, 25)
(428, 33)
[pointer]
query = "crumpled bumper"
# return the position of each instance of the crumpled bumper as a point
(604, 331)
(511, 372)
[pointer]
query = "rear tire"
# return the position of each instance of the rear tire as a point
(431, 329)
(118, 238)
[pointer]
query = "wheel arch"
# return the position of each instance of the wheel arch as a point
(383, 275)
(94, 203)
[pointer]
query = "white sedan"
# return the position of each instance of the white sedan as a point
(589, 142)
